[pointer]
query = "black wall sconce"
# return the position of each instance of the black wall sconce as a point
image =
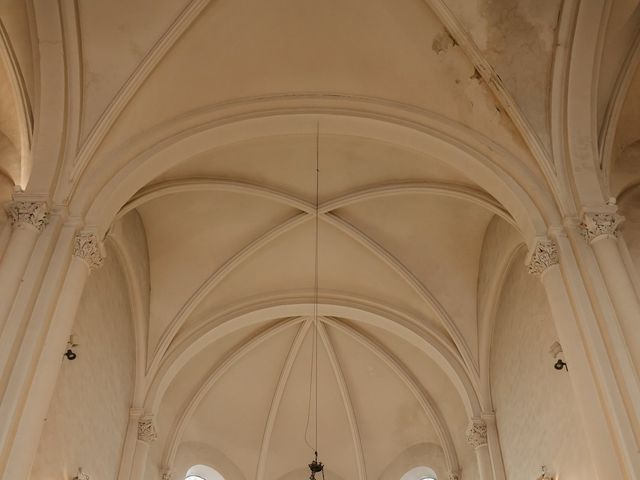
(71, 344)
(558, 355)
(560, 364)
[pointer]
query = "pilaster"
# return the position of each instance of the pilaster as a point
(598, 397)
(32, 380)
(27, 219)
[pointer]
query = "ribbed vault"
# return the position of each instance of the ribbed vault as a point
(452, 135)
(356, 363)
(230, 244)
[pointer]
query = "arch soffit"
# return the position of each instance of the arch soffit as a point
(50, 101)
(582, 65)
(614, 110)
(420, 393)
(307, 213)
(455, 191)
(404, 273)
(22, 102)
(137, 312)
(489, 320)
(422, 396)
(193, 11)
(236, 353)
(171, 187)
(191, 453)
(101, 194)
(198, 337)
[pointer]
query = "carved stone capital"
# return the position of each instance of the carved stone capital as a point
(476, 432)
(87, 247)
(544, 255)
(453, 476)
(81, 475)
(599, 225)
(28, 214)
(146, 429)
(166, 474)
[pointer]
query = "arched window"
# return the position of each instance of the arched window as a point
(203, 472)
(420, 473)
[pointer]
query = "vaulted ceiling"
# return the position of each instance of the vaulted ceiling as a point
(233, 229)
(217, 236)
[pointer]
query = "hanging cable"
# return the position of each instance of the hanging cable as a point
(317, 281)
(314, 350)
(315, 466)
(306, 428)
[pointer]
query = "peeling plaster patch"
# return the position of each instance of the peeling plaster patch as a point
(519, 45)
(442, 42)
(517, 38)
(474, 100)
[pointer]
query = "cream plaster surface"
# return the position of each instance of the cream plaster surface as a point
(183, 254)
(115, 36)
(537, 422)
(389, 421)
(442, 390)
(419, 455)
(16, 20)
(347, 163)
(194, 453)
(350, 49)
(287, 266)
(500, 241)
(88, 415)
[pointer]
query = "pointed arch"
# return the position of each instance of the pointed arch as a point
(520, 191)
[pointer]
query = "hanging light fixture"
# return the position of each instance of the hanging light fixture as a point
(315, 466)
(544, 475)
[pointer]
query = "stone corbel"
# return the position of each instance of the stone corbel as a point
(600, 225)
(453, 476)
(476, 433)
(543, 255)
(89, 249)
(23, 214)
(146, 429)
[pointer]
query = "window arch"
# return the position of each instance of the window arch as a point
(420, 473)
(203, 472)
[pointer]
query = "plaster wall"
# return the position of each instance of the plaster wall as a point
(88, 415)
(429, 455)
(535, 409)
(6, 188)
(630, 209)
